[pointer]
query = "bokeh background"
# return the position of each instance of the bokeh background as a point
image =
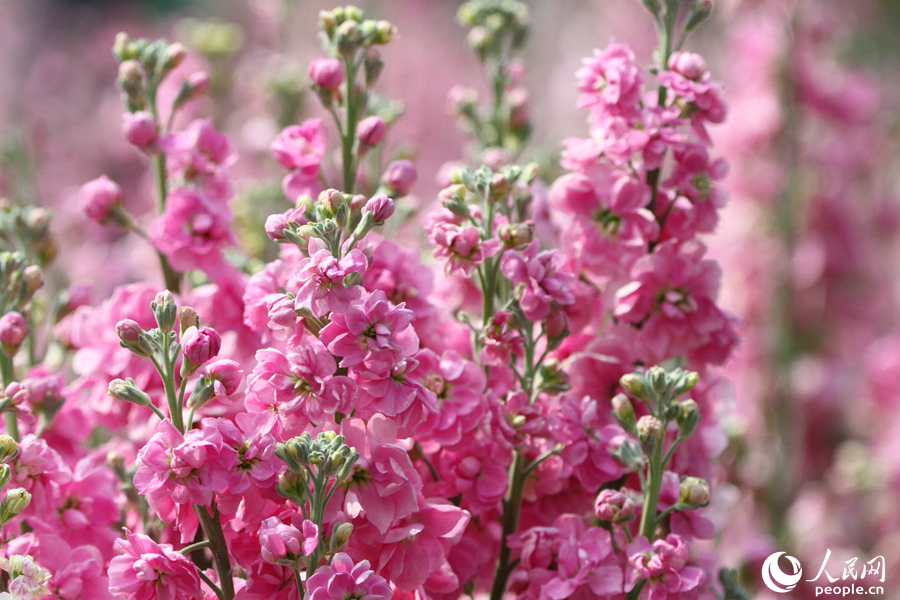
(809, 244)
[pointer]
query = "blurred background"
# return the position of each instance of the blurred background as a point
(808, 244)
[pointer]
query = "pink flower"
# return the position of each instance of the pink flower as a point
(399, 176)
(662, 564)
(287, 544)
(140, 128)
(322, 279)
(387, 487)
(672, 295)
(610, 82)
(302, 382)
(371, 131)
(326, 73)
(458, 385)
(99, 196)
(191, 233)
(613, 505)
(541, 280)
(149, 571)
(501, 341)
(374, 334)
(461, 247)
(301, 147)
(199, 346)
(345, 579)
(395, 394)
(188, 468)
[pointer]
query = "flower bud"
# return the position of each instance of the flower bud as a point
(131, 81)
(187, 317)
(13, 329)
(557, 325)
(385, 32)
(165, 311)
(204, 391)
(381, 208)
(371, 131)
(693, 492)
(372, 66)
(5, 475)
(140, 129)
(339, 536)
(623, 412)
(198, 346)
(650, 433)
(15, 501)
(228, 374)
(99, 197)
(399, 176)
(346, 38)
(326, 73)
(700, 11)
(173, 56)
(32, 277)
(633, 383)
(613, 506)
(8, 448)
(292, 486)
(516, 234)
(658, 379)
(687, 382)
(123, 48)
(132, 337)
(688, 418)
(126, 391)
(629, 454)
(194, 85)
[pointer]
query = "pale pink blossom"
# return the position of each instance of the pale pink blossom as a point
(610, 82)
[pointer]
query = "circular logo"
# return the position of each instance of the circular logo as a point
(776, 579)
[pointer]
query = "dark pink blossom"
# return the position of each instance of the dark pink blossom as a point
(344, 578)
(399, 176)
(146, 570)
(326, 73)
(285, 544)
(140, 128)
(371, 131)
(200, 345)
(99, 196)
(539, 279)
(462, 247)
(664, 565)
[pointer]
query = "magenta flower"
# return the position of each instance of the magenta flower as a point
(188, 468)
(374, 334)
(287, 544)
(226, 376)
(501, 341)
(13, 330)
(663, 565)
(146, 570)
(541, 279)
(322, 279)
(301, 147)
(99, 196)
(381, 208)
(462, 247)
(344, 579)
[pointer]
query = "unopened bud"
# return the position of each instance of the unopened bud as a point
(204, 391)
(173, 56)
(385, 32)
(123, 49)
(399, 176)
(516, 234)
(623, 412)
(13, 329)
(633, 383)
(658, 380)
(700, 11)
(292, 486)
(132, 337)
(688, 418)
(346, 37)
(688, 381)
(693, 492)
(650, 433)
(15, 501)
(371, 131)
(339, 536)
(5, 475)
(557, 326)
(187, 317)
(8, 448)
(652, 5)
(372, 66)
(126, 391)
(165, 311)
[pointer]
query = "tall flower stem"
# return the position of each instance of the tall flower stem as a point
(6, 373)
(212, 527)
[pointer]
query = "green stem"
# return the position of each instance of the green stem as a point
(168, 376)
(210, 583)
(348, 138)
(299, 583)
(6, 373)
(197, 546)
(511, 507)
(213, 530)
(317, 509)
(171, 276)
